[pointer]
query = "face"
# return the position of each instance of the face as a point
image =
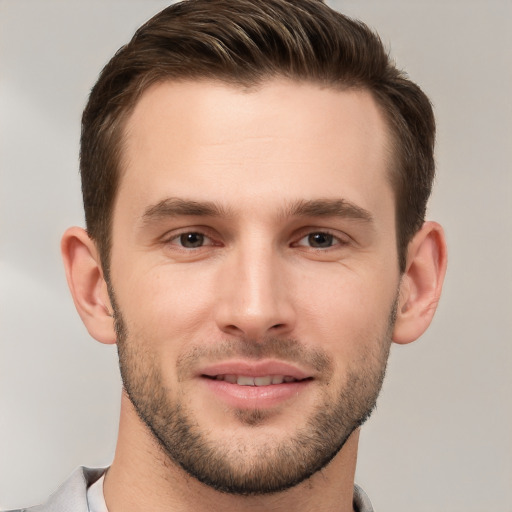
(254, 275)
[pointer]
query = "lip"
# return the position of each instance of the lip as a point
(254, 369)
(254, 397)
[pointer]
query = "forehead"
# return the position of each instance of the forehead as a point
(282, 140)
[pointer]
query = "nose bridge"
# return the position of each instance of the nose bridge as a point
(254, 300)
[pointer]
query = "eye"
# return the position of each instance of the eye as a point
(191, 240)
(319, 240)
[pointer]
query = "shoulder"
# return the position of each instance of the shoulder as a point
(71, 496)
(361, 501)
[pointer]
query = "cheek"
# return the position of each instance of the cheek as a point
(161, 304)
(350, 311)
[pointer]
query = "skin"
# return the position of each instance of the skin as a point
(256, 156)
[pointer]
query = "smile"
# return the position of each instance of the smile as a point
(245, 384)
(245, 380)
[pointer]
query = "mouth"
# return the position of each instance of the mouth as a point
(247, 380)
(259, 384)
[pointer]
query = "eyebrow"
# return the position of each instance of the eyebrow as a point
(327, 208)
(174, 207)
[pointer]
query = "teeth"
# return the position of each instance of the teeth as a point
(262, 381)
(245, 381)
(267, 380)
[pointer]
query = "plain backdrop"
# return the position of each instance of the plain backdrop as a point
(441, 438)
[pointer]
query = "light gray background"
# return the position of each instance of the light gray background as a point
(441, 439)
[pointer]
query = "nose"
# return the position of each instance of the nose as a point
(255, 296)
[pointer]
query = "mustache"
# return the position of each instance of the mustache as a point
(285, 349)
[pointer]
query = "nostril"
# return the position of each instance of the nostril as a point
(233, 327)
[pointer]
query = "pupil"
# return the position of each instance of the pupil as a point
(192, 240)
(321, 240)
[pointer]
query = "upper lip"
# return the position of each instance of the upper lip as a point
(254, 369)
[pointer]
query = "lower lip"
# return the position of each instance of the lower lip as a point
(255, 397)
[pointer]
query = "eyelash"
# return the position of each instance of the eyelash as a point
(333, 239)
(177, 238)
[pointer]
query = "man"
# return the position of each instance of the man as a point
(255, 178)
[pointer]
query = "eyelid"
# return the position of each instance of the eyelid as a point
(175, 234)
(207, 241)
(341, 239)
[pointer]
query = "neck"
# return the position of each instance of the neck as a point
(143, 478)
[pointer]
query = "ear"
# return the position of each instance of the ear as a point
(87, 284)
(420, 287)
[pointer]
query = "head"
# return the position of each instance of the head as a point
(255, 177)
(246, 43)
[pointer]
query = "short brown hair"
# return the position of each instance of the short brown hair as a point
(245, 42)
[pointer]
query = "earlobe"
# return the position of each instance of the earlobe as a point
(87, 284)
(421, 284)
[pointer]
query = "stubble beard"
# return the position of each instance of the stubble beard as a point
(236, 466)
